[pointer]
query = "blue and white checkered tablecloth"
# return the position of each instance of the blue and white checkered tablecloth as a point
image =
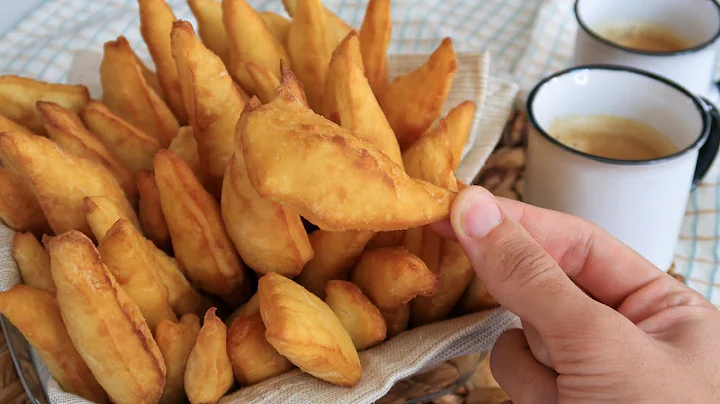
(527, 39)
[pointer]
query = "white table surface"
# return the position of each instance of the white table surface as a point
(13, 11)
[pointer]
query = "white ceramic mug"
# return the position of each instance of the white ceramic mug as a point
(642, 203)
(696, 20)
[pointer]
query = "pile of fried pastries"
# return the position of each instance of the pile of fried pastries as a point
(258, 204)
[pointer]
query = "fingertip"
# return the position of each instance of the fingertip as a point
(475, 213)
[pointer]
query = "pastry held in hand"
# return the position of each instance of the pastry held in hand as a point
(60, 181)
(361, 319)
(176, 340)
(306, 331)
(36, 314)
(104, 323)
(329, 176)
(33, 261)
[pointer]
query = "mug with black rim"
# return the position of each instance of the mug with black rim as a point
(640, 202)
(697, 22)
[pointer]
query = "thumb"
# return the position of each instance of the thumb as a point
(514, 267)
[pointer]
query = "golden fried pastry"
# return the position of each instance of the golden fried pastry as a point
(60, 181)
(156, 21)
(476, 297)
(343, 57)
(8, 125)
(68, 131)
(33, 261)
(199, 239)
(36, 314)
(185, 146)
(397, 320)
(412, 102)
(130, 96)
(152, 220)
(253, 359)
(249, 308)
(391, 277)
(209, 374)
(335, 28)
(361, 319)
(309, 50)
(387, 239)
(18, 96)
(459, 121)
(375, 35)
(101, 215)
(133, 147)
(269, 237)
(264, 81)
(250, 41)
(182, 296)
(329, 176)
(176, 341)
(149, 76)
(213, 103)
(19, 208)
(125, 254)
(278, 25)
(454, 273)
(306, 331)
(126, 361)
(335, 255)
(289, 84)
(430, 158)
(209, 16)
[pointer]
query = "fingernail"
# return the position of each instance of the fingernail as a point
(479, 214)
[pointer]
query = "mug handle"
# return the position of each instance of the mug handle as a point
(709, 150)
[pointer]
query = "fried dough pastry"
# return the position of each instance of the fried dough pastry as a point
(130, 96)
(185, 146)
(302, 328)
(430, 158)
(335, 255)
(156, 21)
(19, 208)
(268, 236)
(18, 96)
(182, 296)
(68, 131)
(361, 319)
(391, 277)
(412, 102)
(209, 374)
(289, 84)
(459, 121)
(278, 25)
(199, 238)
(8, 125)
(253, 359)
(45, 331)
(375, 34)
(176, 341)
(343, 57)
(309, 50)
(102, 214)
(387, 239)
(335, 28)
(33, 261)
(250, 41)
(152, 219)
(329, 176)
(264, 81)
(133, 147)
(476, 297)
(397, 320)
(124, 253)
(209, 16)
(60, 181)
(213, 103)
(149, 76)
(249, 308)
(126, 362)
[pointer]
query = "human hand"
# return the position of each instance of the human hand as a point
(600, 323)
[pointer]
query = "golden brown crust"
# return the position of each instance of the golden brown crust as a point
(345, 55)
(253, 359)
(18, 96)
(290, 83)
(427, 87)
(185, 146)
(375, 34)
(361, 319)
(209, 16)
(176, 341)
(60, 181)
(397, 320)
(248, 308)
(46, 332)
(128, 94)
(104, 323)
(8, 125)
(391, 277)
(208, 374)
(150, 212)
(278, 25)
(459, 121)
(305, 330)
(430, 158)
(19, 208)
(101, 215)
(33, 261)
(335, 28)
(264, 81)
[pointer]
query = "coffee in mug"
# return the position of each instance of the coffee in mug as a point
(611, 136)
(644, 36)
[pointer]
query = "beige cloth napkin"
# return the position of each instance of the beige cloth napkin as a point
(409, 352)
